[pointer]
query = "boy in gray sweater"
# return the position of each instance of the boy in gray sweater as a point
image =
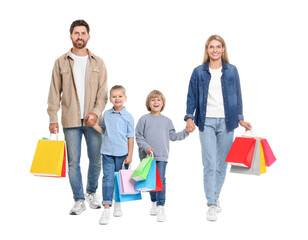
(153, 133)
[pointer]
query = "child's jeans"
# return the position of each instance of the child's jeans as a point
(111, 164)
(160, 196)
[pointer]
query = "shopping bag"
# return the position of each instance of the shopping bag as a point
(127, 184)
(262, 160)
(118, 197)
(255, 163)
(149, 184)
(159, 185)
(268, 153)
(49, 159)
(142, 169)
(241, 152)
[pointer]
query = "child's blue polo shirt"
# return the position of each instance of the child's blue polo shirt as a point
(117, 128)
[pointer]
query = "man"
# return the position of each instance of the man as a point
(79, 85)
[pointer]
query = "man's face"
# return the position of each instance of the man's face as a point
(80, 37)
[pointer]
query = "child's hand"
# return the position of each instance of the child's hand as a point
(128, 160)
(90, 119)
(150, 151)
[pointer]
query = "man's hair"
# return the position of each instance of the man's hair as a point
(118, 87)
(79, 23)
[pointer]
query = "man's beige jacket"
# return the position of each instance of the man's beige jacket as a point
(63, 90)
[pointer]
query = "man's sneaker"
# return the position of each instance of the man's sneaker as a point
(218, 207)
(78, 207)
(161, 216)
(117, 212)
(153, 210)
(105, 217)
(93, 200)
(211, 213)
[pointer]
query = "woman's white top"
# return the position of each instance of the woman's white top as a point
(215, 102)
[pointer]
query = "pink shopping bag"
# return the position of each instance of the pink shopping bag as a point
(268, 153)
(127, 184)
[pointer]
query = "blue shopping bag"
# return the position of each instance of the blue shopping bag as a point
(118, 197)
(150, 183)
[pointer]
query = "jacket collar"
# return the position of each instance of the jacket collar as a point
(69, 54)
(206, 66)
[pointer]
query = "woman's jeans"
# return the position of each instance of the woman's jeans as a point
(73, 138)
(160, 196)
(216, 141)
(111, 164)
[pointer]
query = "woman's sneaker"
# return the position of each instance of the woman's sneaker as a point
(105, 217)
(211, 213)
(93, 200)
(153, 210)
(78, 207)
(161, 216)
(218, 207)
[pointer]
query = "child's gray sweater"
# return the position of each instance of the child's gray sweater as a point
(156, 131)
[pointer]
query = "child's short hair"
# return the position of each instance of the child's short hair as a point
(118, 87)
(154, 94)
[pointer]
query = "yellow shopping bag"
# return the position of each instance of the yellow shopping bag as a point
(262, 159)
(49, 159)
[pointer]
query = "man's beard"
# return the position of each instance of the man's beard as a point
(79, 46)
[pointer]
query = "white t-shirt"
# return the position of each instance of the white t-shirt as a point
(215, 102)
(79, 70)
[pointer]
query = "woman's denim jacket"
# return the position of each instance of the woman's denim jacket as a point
(198, 94)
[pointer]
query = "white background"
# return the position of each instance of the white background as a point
(150, 45)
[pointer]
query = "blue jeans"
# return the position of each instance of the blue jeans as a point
(73, 138)
(216, 141)
(111, 164)
(160, 196)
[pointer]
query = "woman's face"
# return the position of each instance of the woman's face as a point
(215, 50)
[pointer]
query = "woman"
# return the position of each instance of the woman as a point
(214, 104)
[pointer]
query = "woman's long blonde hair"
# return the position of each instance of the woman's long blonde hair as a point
(224, 54)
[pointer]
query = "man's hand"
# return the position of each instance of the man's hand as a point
(90, 119)
(53, 127)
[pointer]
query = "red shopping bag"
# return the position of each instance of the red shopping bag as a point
(159, 185)
(268, 153)
(241, 152)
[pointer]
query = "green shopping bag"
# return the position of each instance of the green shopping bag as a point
(143, 169)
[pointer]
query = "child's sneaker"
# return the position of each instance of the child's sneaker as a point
(105, 218)
(211, 213)
(93, 200)
(117, 212)
(78, 208)
(153, 210)
(161, 216)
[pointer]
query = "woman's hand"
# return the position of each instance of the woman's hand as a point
(246, 125)
(190, 125)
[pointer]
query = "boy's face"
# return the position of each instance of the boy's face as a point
(156, 104)
(117, 98)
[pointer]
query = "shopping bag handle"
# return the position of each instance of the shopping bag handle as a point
(252, 133)
(151, 154)
(55, 134)
(123, 166)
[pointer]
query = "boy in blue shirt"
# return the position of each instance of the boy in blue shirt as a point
(117, 131)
